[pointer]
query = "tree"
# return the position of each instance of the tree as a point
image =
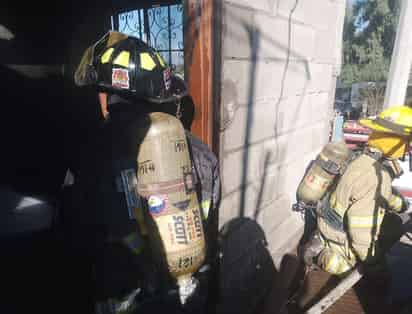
(368, 38)
(379, 19)
(373, 94)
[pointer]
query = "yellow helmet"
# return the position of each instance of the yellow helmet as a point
(391, 131)
(396, 120)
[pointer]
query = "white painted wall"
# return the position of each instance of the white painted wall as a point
(280, 59)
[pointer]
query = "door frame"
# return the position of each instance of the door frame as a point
(202, 66)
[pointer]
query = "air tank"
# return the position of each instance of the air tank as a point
(319, 177)
(165, 181)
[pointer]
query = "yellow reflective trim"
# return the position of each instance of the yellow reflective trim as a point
(373, 249)
(364, 221)
(162, 62)
(344, 252)
(338, 207)
(395, 202)
(332, 264)
(337, 265)
(146, 61)
(332, 199)
(106, 56)
(205, 207)
(122, 59)
(343, 266)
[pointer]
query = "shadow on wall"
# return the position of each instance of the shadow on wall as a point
(254, 41)
(242, 286)
(230, 100)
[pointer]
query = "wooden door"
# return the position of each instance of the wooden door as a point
(198, 31)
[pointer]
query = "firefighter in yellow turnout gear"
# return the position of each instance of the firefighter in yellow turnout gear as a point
(357, 221)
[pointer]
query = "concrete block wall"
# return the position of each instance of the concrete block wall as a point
(280, 59)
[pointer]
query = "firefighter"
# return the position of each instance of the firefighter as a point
(357, 220)
(133, 80)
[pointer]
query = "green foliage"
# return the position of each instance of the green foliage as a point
(368, 39)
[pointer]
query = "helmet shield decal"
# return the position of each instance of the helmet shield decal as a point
(120, 78)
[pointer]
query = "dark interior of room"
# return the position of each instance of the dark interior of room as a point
(43, 112)
(45, 121)
(46, 124)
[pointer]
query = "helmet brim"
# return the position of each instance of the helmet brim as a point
(371, 124)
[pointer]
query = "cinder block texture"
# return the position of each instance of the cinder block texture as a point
(237, 28)
(278, 75)
(247, 32)
(259, 80)
(251, 81)
(258, 5)
(320, 14)
(266, 120)
(268, 171)
(276, 38)
(310, 31)
(326, 50)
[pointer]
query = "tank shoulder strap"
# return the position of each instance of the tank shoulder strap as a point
(393, 167)
(373, 153)
(325, 201)
(354, 155)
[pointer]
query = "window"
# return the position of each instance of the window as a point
(161, 27)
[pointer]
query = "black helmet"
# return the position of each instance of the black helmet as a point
(126, 66)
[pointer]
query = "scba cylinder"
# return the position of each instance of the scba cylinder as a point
(319, 177)
(165, 181)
